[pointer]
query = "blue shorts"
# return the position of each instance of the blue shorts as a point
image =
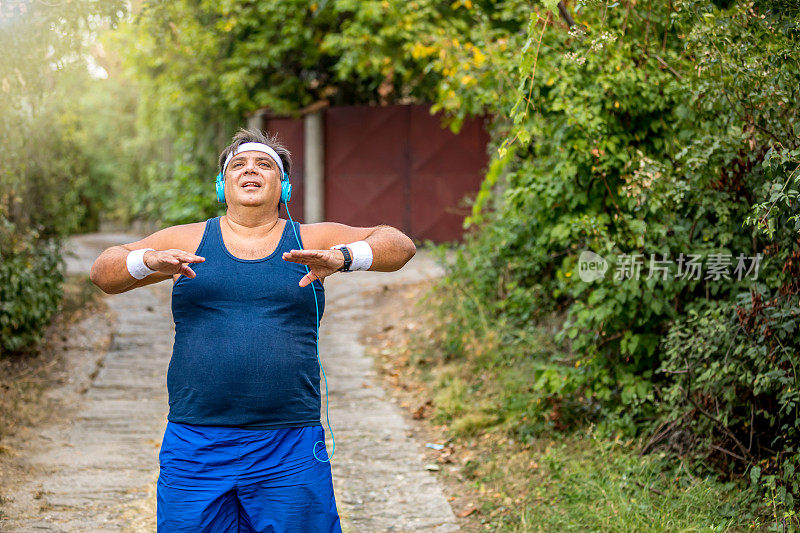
(222, 479)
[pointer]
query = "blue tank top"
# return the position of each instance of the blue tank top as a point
(245, 340)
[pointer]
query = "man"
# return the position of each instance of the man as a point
(244, 449)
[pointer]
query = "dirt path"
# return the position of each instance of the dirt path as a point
(96, 470)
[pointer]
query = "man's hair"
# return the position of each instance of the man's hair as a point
(257, 136)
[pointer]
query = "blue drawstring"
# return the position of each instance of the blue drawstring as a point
(316, 304)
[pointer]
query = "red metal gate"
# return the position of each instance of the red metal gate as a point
(392, 165)
(396, 165)
(444, 169)
(366, 172)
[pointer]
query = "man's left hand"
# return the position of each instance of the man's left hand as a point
(321, 263)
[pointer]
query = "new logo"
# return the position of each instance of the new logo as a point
(591, 266)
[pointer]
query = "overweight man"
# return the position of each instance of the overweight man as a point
(244, 449)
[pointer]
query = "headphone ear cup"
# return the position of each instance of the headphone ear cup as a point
(286, 189)
(220, 185)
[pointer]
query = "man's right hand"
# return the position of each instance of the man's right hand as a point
(171, 261)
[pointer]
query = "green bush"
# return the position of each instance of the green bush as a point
(732, 368)
(655, 129)
(30, 288)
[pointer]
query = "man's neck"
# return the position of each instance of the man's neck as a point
(251, 223)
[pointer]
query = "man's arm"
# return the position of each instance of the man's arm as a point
(110, 272)
(391, 248)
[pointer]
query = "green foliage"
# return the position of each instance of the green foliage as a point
(649, 129)
(200, 66)
(46, 187)
(777, 217)
(30, 291)
(734, 364)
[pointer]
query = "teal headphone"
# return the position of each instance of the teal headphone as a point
(286, 188)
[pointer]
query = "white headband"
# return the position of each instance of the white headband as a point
(257, 147)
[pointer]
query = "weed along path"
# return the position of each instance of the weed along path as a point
(95, 469)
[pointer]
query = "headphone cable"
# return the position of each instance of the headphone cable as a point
(316, 323)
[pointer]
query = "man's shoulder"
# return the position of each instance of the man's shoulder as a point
(309, 233)
(188, 230)
(318, 235)
(185, 237)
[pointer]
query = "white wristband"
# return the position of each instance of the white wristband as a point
(362, 255)
(136, 266)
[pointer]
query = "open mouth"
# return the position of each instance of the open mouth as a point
(251, 185)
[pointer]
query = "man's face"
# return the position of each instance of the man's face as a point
(252, 179)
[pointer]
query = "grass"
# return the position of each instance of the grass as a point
(579, 483)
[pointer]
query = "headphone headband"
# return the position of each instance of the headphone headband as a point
(257, 147)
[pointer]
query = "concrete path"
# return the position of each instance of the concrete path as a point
(377, 467)
(96, 472)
